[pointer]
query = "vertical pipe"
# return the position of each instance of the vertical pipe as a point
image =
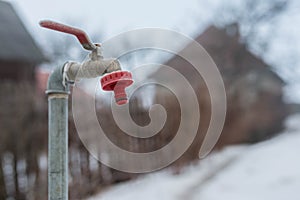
(58, 136)
(58, 147)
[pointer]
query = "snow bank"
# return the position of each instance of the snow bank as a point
(268, 170)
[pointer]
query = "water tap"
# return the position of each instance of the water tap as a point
(112, 76)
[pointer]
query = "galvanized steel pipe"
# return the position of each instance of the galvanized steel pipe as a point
(58, 136)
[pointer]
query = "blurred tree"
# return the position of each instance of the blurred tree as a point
(256, 19)
(23, 134)
(3, 193)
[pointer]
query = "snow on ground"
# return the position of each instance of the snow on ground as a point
(267, 170)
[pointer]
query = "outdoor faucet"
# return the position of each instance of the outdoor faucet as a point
(113, 79)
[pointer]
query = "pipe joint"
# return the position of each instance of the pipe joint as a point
(56, 82)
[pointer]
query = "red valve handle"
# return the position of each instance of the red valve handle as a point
(80, 34)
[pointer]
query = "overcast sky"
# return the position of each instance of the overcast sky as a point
(111, 16)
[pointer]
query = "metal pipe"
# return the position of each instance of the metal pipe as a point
(58, 136)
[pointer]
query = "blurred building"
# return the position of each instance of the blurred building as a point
(19, 54)
(255, 106)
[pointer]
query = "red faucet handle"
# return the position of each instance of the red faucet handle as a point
(117, 82)
(80, 34)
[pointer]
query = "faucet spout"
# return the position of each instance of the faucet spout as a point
(117, 82)
(94, 67)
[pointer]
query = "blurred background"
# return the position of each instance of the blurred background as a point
(256, 46)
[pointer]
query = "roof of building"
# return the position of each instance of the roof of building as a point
(16, 42)
(228, 52)
(225, 43)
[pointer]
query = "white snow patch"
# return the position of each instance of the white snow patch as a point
(267, 170)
